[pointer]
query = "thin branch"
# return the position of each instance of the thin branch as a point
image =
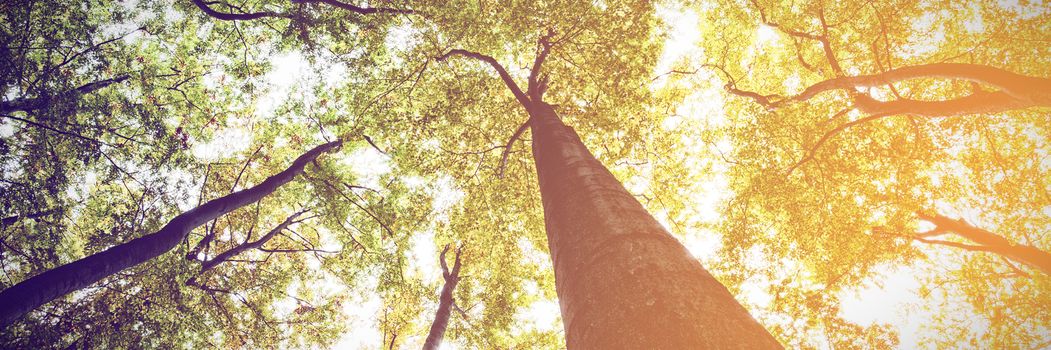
(15, 218)
(224, 256)
(537, 84)
(809, 155)
(67, 133)
(510, 82)
(373, 144)
(508, 146)
(31, 104)
(358, 9)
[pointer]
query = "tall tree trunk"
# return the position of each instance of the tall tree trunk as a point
(27, 295)
(445, 302)
(623, 281)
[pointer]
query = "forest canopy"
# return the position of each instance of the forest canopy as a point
(525, 175)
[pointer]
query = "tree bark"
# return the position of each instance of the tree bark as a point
(623, 281)
(445, 303)
(29, 294)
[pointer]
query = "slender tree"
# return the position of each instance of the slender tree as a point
(446, 302)
(27, 295)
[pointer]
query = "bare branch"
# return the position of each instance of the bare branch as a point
(509, 145)
(510, 82)
(357, 9)
(537, 85)
(240, 248)
(226, 16)
(31, 104)
(373, 144)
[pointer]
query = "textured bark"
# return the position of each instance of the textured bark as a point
(988, 242)
(445, 303)
(27, 295)
(623, 281)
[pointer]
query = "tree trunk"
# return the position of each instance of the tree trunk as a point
(445, 303)
(623, 281)
(40, 289)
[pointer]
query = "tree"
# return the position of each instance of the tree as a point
(37, 290)
(847, 120)
(498, 30)
(625, 281)
(125, 157)
(842, 155)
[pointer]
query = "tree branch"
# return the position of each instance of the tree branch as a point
(1022, 87)
(809, 155)
(981, 102)
(507, 147)
(15, 218)
(62, 132)
(357, 9)
(536, 85)
(240, 248)
(226, 16)
(31, 104)
(988, 241)
(373, 144)
(510, 82)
